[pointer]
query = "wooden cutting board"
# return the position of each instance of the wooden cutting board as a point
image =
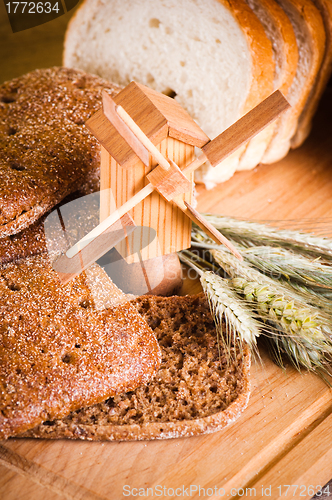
(283, 437)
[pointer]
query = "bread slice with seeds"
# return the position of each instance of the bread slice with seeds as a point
(66, 347)
(197, 389)
(45, 150)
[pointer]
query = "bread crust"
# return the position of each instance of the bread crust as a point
(261, 81)
(289, 43)
(287, 124)
(28, 242)
(263, 71)
(46, 151)
(163, 315)
(261, 53)
(305, 120)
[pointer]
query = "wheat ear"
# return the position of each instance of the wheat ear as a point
(280, 262)
(226, 306)
(302, 330)
(252, 232)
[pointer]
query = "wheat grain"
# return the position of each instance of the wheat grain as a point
(296, 322)
(302, 330)
(225, 306)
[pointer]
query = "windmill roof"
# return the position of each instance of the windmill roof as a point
(158, 115)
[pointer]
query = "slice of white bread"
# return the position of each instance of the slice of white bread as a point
(197, 389)
(305, 120)
(213, 55)
(281, 34)
(310, 35)
(262, 85)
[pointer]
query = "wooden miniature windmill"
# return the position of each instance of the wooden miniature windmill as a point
(147, 161)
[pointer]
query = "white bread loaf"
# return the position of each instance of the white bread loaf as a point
(310, 35)
(214, 55)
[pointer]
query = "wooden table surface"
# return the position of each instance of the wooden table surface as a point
(284, 436)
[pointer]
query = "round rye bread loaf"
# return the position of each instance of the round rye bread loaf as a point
(46, 152)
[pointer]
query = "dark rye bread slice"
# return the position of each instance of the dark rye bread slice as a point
(195, 391)
(46, 152)
(66, 347)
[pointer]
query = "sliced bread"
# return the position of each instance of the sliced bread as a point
(66, 347)
(281, 34)
(212, 55)
(45, 150)
(196, 390)
(30, 241)
(305, 120)
(310, 35)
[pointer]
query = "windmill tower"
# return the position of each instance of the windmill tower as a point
(175, 134)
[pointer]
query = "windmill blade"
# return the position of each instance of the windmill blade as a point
(68, 268)
(245, 129)
(201, 222)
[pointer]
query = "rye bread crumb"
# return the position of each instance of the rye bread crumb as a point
(196, 389)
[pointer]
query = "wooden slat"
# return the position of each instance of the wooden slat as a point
(106, 195)
(68, 268)
(208, 228)
(181, 125)
(110, 111)
(244, 129)
(169, 183)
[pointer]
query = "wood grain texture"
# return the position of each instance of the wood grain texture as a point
(286, 415)
(245, 128)
(110, 111)
(156, 115)
(304, 464)
(170, 226)
(169, 183)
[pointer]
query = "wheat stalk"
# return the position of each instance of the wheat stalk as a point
(311, 295)
(304, 330)
(280, 262)
(226, 306)
(254, 233)
(296, 312)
